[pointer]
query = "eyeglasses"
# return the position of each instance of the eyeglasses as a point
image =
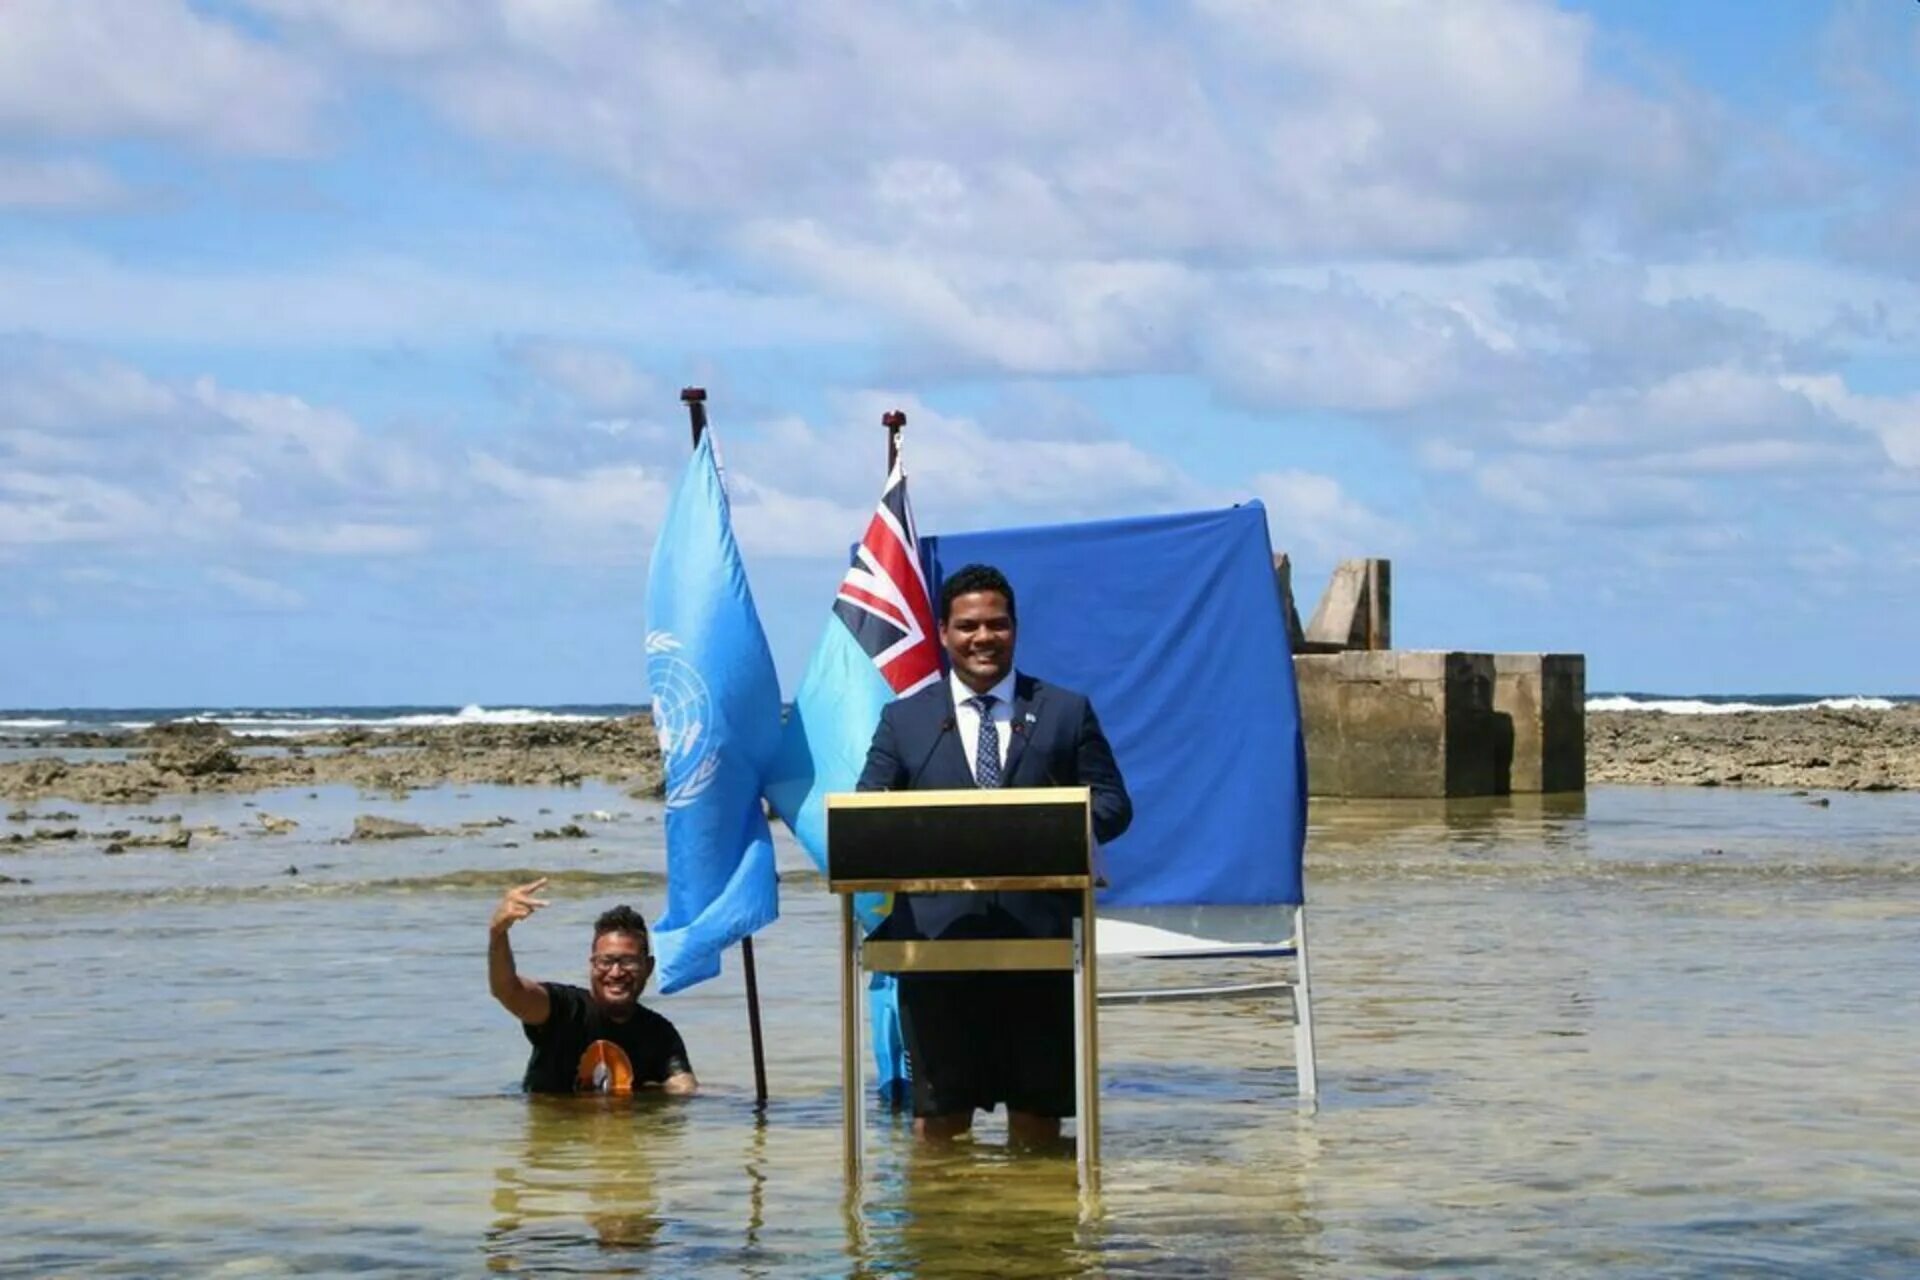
(626, 964)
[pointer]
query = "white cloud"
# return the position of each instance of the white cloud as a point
(602, 512)
(1534, 586)
(598, 379)
(407, 29)
(1017, 314)
(99, 452)
(69, 184)
(1895, 420)
(774, 523)
(369, 300)
(1341, 349)
(1422, 128)
(1802, 299)
(1796, 456)
(1867, 56)
(353, 538)
(153, 69)
(971, 474)
(1556, 492)
(1227, 128)
(66, 391)
(43, 508)
(262, 592)
(1699, 405)
(1313, 512)
(1444, 455)
(330, 442)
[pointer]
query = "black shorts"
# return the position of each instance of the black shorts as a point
(976, 1040)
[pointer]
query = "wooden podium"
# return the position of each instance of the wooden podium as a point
(1037, 838)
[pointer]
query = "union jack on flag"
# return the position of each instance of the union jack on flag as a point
(884, 599)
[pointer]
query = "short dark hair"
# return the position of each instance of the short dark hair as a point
(968, 579)
(623, 919)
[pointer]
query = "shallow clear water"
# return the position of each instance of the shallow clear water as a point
(1657, 1032)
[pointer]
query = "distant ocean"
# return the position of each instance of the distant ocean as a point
(1709, 704)
(282, 722)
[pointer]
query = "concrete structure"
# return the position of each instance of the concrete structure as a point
(1283, 579)
(1355, 612)
(1544, 697)
(1401, 724)
(1422, 723)
(1439, 724)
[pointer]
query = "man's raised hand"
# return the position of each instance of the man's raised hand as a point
(517, 903)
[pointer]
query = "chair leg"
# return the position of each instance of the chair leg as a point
(1306, 1067)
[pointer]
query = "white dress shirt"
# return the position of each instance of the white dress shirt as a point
(966, 719)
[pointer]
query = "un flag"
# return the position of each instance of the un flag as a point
(716, 708)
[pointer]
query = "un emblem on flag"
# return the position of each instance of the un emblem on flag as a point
(682, 709)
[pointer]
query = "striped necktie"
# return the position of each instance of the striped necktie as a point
(986, 754)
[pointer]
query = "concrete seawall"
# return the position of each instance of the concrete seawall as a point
(1436, 723)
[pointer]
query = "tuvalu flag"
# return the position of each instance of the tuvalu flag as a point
(879, 645)
(716, 708)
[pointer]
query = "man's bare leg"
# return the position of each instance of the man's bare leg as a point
(1024, 1129)
(943, 1128)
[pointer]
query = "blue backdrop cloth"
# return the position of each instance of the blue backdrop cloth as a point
(1173, 626)
(716, 707)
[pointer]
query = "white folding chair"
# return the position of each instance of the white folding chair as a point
(1276, 932)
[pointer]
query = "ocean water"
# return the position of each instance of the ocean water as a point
(282, 722)
(1640, 1032)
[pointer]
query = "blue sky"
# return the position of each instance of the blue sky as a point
(340, 344)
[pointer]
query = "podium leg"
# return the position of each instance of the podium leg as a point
(852, 1097)
(1086, 1054)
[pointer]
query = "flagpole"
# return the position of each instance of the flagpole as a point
(893, 420)
(695, 398)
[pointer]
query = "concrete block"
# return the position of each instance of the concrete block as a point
(1544, 695)
(1283, 582)
(1402, 724)
(1357, 610)
(1318, 678)
(1340, 618)
(1420, 664)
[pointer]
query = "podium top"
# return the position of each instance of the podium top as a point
(1031, 838)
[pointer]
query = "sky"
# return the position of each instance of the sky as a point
(341, 344)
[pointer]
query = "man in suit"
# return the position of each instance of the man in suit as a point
(976, 1040)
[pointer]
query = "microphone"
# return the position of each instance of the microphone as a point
(945, 727)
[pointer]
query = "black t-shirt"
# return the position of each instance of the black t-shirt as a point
(578, 1049)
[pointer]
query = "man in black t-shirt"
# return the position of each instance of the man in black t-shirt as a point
(598, 1039)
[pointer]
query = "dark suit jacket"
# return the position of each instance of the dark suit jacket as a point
(1055, 742)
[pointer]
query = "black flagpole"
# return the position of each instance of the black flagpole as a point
(893, 420)
(695, 398)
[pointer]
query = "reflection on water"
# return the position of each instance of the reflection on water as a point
(923, 1216)
(589, 1162)
(1647, 1032)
